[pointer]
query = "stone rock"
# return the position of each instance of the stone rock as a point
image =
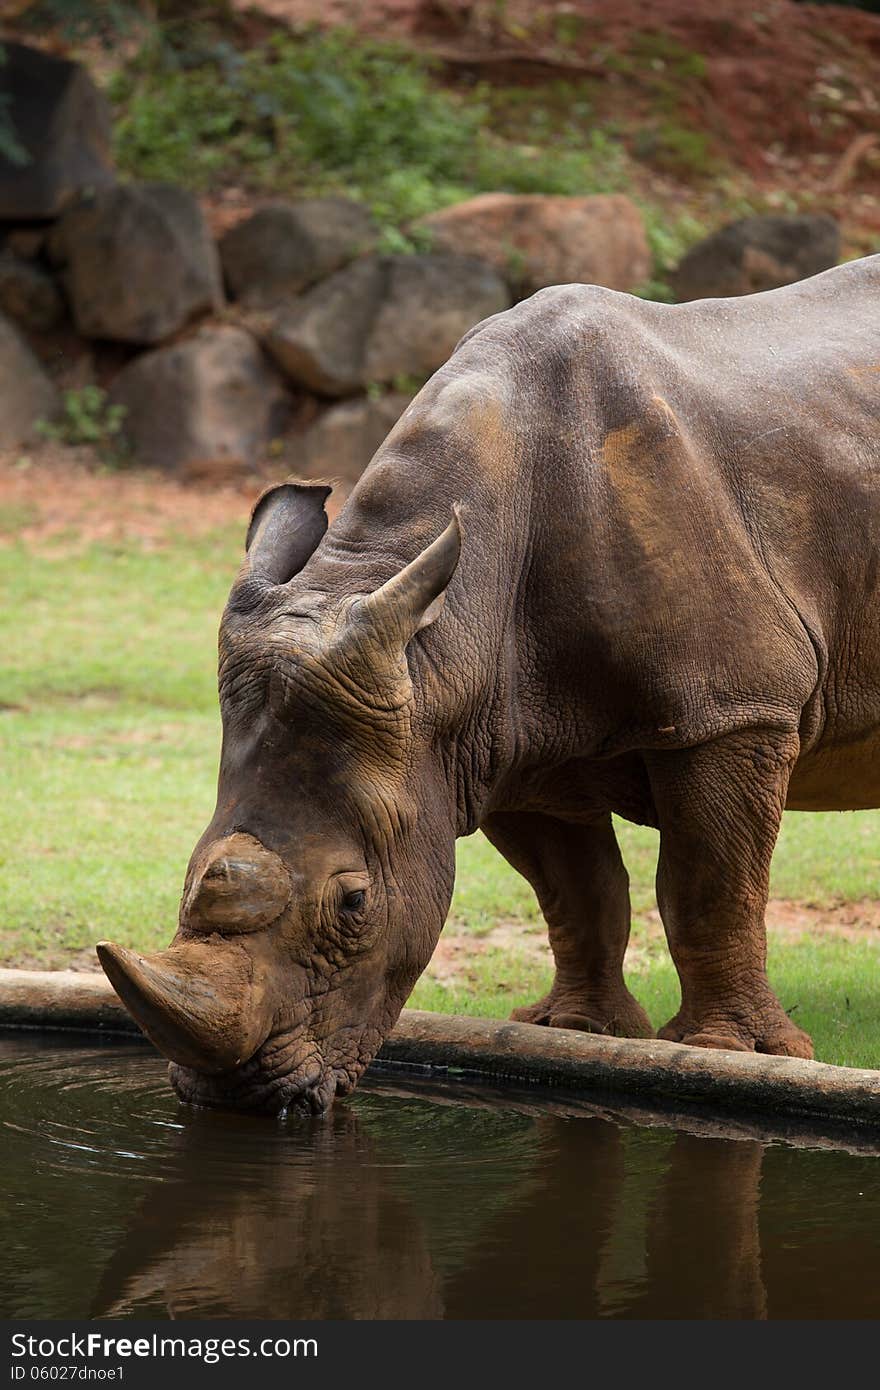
(139, 262)
(757, 253)
(431, 302)
(26, 242)
(536, 240)
(286, 247)
(26, 393)
(63, 123)
(342, 441)
(28, 294)
(212, 399)
(383, 317)
(320, 341)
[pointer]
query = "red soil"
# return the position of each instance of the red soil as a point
(780, 78)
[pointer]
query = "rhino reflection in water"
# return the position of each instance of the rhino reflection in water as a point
(267, 1240)
(623, 1224)
(660, 589)
(582, 1221)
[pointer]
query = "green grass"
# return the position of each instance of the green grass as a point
(829, 986)
(821, 860)
(109, 738)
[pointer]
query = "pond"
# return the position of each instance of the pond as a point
(407, 1201)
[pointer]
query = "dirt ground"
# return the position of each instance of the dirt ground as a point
(453, 960)
(50, 493)
(790, 91)
(64, 497)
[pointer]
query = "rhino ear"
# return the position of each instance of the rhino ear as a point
(414, 598)
(286, 526)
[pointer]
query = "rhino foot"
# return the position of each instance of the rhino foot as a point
(771, 1032)
(619, 1017)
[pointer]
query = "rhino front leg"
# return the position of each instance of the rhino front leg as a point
(583, 889)
(719, 806)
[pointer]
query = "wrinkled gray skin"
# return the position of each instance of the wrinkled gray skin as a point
(661, 600)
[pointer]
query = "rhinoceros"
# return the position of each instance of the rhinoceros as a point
(616, 557)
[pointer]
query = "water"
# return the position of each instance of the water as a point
(118, 1202)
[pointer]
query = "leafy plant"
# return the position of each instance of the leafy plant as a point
(87, 417)
(676, 149)
(669, 237)
(324, 108)
(313, 112)
(655, 53)
(394, 242)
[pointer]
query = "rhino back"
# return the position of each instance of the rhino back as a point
(703, 501)
(672, 513)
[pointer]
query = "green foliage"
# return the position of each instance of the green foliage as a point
(393, 241)
(657, 54)
(317, 110)
(75, 20)
(668, 75)
(662, 53)
(557, 112)
(311, 113)
(407, 383)
(676, 149)
(669, 237)
(655, 288)
(327, 111)
(596, 165)
(87, 417)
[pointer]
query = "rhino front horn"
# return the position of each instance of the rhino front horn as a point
(204, 1005)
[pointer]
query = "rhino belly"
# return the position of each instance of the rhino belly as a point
(841, 776)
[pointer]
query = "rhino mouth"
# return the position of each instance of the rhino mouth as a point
(277, 1080)
(212, 1007)
(269, 1083)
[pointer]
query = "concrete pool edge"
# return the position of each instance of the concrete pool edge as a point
(635, 1069)
(503, 1052)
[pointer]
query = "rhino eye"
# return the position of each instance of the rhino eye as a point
(353, 902)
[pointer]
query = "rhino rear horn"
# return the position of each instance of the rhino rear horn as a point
(413, 598)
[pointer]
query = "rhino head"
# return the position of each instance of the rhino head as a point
(316, 895)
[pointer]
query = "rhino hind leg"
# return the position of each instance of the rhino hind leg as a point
(719, 806)
(583, 889)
